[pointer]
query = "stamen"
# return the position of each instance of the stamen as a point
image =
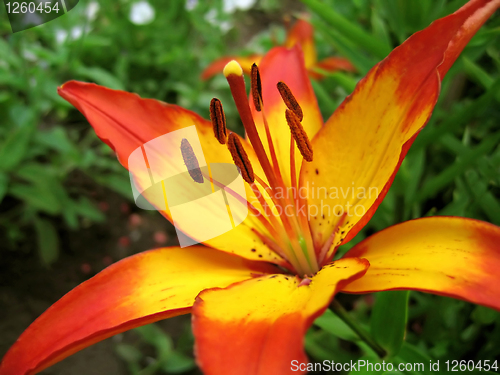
(191, 161)
(218, 120)
(234, 76)
(256, 86)
(299, 135)
(289, 99)
(240, 158)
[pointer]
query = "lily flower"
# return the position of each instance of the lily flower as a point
(255, 290)
(301, 33)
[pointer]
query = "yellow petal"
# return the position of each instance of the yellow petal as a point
(259, 324)
(450, 256)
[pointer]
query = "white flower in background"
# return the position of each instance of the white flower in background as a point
(61, 36)
(212, 18)
(30, 56)
(76, 32)
(141, 13)
(191, 4)
(225, 26)
(91, 10)
(231, 5)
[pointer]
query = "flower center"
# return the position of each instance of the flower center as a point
(287, 231)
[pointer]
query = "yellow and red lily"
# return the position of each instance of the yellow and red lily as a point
(255, 290)
(302, 33)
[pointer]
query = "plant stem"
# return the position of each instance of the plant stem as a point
(338, 309)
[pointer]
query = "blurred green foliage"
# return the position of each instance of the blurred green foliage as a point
(46, 148)
(168, 359)
(453, 168)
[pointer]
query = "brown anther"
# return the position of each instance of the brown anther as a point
(218, 120)
(289, 99)
(191, 161)
(256, 86)
(299, 135)
(240, 158)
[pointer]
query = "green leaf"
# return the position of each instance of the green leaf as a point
(177, 363)
(118, 183)
(459, 204)
(100, 76)
(412, 355)
(128, 353)
(464, 115)
(344, 80)
(346, 48)
(412, 170)
(484, 315)
(388, 320)
(14, 148)
(48, 241)
(324, 99)
(8, 54)
(35, 172)
(153, 335)
(348, 29)
(379, 26)
(87, 209)
(485, 199)
(333, 324)
(57, 139)
(41, 198)
(477, 73)
(437, 183)
(4, 183)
